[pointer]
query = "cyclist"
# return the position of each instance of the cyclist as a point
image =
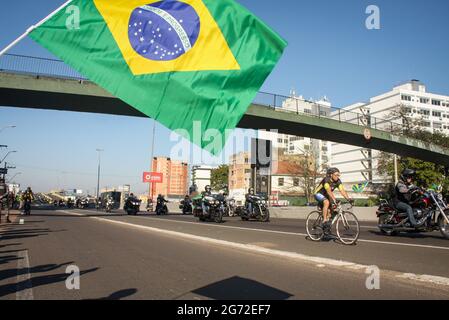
(325, 196)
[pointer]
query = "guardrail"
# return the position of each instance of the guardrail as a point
(22, 64)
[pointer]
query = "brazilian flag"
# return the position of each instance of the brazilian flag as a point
(188, 64)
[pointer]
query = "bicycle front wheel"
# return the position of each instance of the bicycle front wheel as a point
(348, 228)
(314, 226)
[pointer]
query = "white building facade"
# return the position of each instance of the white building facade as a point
(359, 165)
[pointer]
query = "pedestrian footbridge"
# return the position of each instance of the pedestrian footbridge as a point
(30, 82)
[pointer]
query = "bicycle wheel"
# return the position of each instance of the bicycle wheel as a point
(313, 226)
(348, 229)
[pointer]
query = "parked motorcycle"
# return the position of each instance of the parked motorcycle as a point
(259, 210)
(430, 210)
(214, 205)
(132, 206)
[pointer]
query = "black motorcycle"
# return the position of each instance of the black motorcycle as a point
(132, 206)
(259, 210)
(430, 210)
(186, 206)
(214, 205)
(161, 207)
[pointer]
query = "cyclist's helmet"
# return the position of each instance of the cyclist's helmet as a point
(408, 173)
(331, 171)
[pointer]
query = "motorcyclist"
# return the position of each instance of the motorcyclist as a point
(160, 202)
(249, 200)
(403, 193)
(206, 193)
(27, 198)
(185, 204)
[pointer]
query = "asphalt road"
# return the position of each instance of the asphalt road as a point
(177, 257)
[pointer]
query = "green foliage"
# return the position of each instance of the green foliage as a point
(428, 174)
(219, 177)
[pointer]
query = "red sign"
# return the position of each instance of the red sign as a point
(153, 177)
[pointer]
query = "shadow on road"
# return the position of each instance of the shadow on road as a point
(38, 281)
(237, 288)
(5, 274)
(409, 235)
(120, 294)
(26, 233)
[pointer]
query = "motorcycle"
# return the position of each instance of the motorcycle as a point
(109, 205)
(259, 210)
(214, 205)
(186, 206)
(230, 207)
(132, 206)
(161, 207)
(429, 208)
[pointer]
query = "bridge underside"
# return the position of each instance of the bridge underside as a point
(83, 96)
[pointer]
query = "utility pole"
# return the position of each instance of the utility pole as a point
(395, 169)
(151, 184)
(98, 177)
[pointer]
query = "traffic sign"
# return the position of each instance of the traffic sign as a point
(3, 171)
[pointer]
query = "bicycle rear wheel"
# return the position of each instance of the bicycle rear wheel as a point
(314, 226)
(348, 228)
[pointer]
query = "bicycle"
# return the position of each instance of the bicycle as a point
(346, 225)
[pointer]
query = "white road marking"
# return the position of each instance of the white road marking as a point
(285, 232)
(283, 254)
(24, 285)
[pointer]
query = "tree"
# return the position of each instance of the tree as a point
(428, 174)
(219, 177)
(308, 172)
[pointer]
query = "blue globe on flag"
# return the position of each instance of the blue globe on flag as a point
(164, 30)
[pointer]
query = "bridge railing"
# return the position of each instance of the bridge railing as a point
(322, 110)
(56, 68)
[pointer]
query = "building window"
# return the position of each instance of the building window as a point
(279, 140)
(246, 160)
(436, 114)
(436, 102)
(280, 182)
(437, 125)
(406, 98)
(306, 147)
(296, 182)
(424, 100)
(323, 113)
(308, 111)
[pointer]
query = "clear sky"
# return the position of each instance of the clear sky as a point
(330, 52)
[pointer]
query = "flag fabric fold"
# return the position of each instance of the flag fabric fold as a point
(179, 62)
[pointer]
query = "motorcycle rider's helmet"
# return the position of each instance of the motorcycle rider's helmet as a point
(251, 190)
(407, 173)
(331, 171)
(207, 188)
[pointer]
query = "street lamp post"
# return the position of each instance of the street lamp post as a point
(10, 180)
(7, 155)
(6, 128)
(98, 177)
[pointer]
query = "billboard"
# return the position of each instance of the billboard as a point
(152, 177)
